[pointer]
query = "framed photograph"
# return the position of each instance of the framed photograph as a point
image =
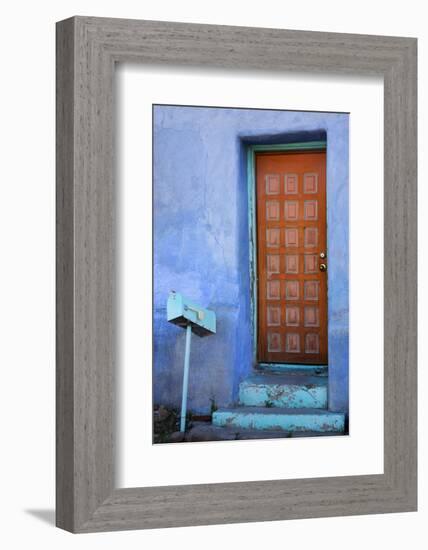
(269, 241)
(236, 274)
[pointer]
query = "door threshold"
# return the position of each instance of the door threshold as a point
(319, 370)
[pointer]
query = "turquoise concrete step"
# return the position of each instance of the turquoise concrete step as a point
(284, 390)
(279, 418)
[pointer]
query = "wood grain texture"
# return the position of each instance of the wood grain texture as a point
(87, 49)
(64, 278)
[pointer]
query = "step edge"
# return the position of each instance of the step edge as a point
(249, 382)
(245, 409)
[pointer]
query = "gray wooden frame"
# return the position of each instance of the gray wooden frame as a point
(87, 50)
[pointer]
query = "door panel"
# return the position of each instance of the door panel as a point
(291, 235)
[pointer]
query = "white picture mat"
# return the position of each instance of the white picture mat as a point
(140, 463)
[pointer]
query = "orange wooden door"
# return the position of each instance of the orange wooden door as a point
(291, 256)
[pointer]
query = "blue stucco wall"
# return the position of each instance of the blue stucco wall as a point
(201, 245)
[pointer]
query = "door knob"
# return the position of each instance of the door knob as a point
(323, 267)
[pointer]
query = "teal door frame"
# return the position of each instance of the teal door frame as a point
(252, 227)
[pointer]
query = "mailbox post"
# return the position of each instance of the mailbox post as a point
(184, 313)
(185, 378)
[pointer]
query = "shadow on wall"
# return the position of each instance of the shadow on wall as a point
(47, 515)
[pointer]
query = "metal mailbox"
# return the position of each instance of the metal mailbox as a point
(183, 312)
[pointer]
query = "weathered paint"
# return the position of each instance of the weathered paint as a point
(289, 420)
(288, 391)
(201, 242)
(282, 368)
